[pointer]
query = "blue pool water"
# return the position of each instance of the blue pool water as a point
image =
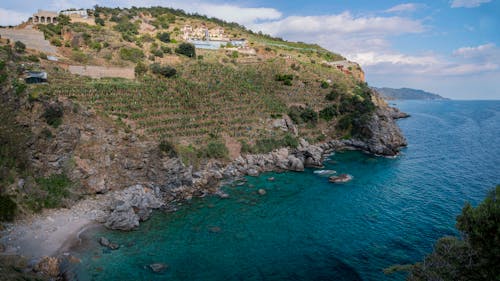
(306, 228)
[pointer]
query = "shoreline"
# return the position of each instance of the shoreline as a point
(54, 232)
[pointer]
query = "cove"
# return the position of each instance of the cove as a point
(306, 228)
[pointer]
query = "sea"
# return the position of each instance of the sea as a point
(306, 228)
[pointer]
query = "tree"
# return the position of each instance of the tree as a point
(99, 21)
(163, 37)
(186, 49)
(19, 47)
(474, 257)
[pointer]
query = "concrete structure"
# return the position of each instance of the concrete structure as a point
(203, 33)
(32, 38)
(36, 77)
(44, 17)
(95, 71)
(76, 13)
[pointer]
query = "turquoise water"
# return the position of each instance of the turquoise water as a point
(306, 228)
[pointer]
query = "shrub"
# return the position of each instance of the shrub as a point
(99, 21)
(96, 46)
(166, 50)
(285, 78)
(324, 85)
(131, 54)
(55, 187)
(43, 56)
(53, 114)
(33, 58)
(215, 149)
(308, 115)
(328, 113)
(332, 96)
(140, 69)
(19, 47)
(56, 42)
(186, 49)
(163, 37)
(8, 208)
(234, 54)
(79, 56)
(166, 71)
(157, 53)
(168, 148)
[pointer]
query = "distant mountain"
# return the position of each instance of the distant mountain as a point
(407, 94)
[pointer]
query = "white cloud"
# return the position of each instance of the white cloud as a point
(344, 23)
(485, 51)
(9, 17)
(468, 3)
(407, 7)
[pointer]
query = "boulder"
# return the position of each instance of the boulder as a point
(104, 241)
(123, 217)
(262, 191)
(295, 164)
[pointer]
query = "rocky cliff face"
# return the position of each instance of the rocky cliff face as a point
(381, 134)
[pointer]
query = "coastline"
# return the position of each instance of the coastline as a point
(53, 232)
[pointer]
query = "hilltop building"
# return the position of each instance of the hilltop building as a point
(76, 13)
(47, 17)
(203, 33)
(44, 17)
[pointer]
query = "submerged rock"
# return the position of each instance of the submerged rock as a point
(158, 267)
(262, 191)
(340, 178)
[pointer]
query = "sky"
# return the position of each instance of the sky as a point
(449, 47)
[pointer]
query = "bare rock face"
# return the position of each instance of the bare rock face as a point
(382, 134)
(133, 205)
(295, 164)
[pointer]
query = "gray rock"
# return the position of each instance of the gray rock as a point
(158, 267)
(123, 217)
(261, 191)
(253, 172)
(104, 241)
(295, 164)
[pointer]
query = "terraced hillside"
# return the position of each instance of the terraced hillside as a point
(250, 95)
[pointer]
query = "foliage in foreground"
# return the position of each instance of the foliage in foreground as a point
(475, 256)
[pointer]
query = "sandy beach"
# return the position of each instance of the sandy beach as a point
(52, 231)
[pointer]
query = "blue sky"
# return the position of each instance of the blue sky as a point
(450, 47)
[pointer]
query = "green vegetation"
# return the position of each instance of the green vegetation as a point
(131, 54)
(140, 69)
(53, 114)
(163, 37)
(167, 147)
(214, 149)
(52, 190)
(285, 78)
(8, 208)
(265, 145)
(186, 49)
(301, 115)
(328, 113)
(19, 47)
(474, 256)
(165, 70)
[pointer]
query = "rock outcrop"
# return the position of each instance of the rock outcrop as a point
(133, 205)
